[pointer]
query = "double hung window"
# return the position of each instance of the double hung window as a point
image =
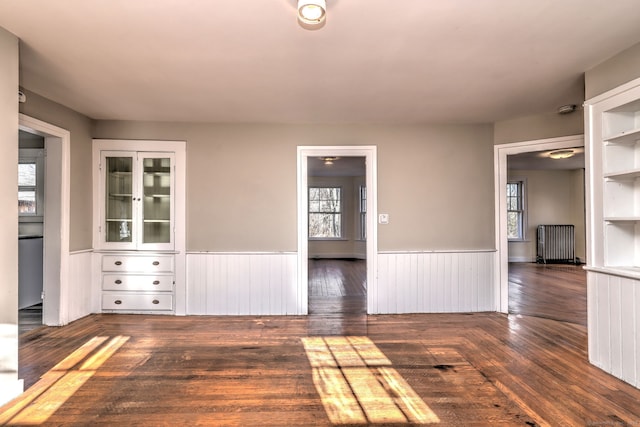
(516, 218)
(31, 184)
(325, 212)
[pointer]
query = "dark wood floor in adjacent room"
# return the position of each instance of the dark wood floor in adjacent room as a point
(552, 291)
(323, 369)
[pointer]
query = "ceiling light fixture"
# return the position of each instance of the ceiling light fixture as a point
(328, 160)
(561, 154)
(312, 12)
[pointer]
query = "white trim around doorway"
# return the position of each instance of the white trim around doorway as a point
(56, 219)
(500, 179)
(370, 155)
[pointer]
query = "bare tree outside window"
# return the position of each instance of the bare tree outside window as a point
(325, 212)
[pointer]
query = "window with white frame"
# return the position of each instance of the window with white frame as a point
(31, 184)
(516, 213)
(325, 212)
(363, 213)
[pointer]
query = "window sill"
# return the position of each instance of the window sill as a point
(328, 239)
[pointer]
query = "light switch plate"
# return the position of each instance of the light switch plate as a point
(383, 218)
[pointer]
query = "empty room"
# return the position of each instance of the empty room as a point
(320, 212)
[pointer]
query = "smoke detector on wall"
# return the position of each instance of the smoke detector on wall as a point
(566, 109)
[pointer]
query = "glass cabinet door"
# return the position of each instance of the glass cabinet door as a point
(156, 199)
(119, 196)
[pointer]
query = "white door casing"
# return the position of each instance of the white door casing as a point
(370, 155)
(500, 196)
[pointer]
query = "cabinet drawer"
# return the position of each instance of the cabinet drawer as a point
(134, 301)
(146, 264)
(124, 282)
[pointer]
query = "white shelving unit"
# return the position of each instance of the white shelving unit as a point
(612, 136)
(139, 229)
(614, 145)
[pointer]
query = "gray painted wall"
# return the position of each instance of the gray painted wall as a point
(435, 182)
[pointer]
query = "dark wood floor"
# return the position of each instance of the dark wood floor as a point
(29, 318)
(337, 286)
(552, 291)
(323, 369)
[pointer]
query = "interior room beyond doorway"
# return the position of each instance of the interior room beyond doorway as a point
(337, 224)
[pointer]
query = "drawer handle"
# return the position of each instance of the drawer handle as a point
(156, 262)
(156, 282)
(118, 282)
(118, 301)
(155, 301)
(118, 263)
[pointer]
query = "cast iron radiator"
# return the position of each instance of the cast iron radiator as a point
(556, 243)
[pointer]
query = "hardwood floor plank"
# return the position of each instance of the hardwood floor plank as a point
(467, 369)
(480, 369)
(553, 291)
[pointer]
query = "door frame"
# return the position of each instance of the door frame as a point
(370, 155)
(55, 307)
(500, 153)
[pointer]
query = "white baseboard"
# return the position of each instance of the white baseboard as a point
(337, 256)
(521, 259)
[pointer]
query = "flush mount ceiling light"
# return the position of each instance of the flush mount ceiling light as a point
(329, 160)
(561, 154)
(312, 12)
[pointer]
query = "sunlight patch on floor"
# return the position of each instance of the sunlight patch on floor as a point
(43, 399)
(357, 383)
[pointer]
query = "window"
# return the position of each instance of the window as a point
(325, 212)
(363, 213)
(515, 210)
(30, 184)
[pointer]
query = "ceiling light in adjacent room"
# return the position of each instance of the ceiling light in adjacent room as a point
(312, 12)
(328, 160)
(561, 154)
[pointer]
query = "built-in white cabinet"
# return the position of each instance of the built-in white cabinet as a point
(137, 282)
(612, 136)
(613, 140)
(139, 224)
(137, 189)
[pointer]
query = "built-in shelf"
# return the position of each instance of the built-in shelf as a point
(625, 174)
(622, 219)
(626, 137)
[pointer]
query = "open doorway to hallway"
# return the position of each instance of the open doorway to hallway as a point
(337, 233)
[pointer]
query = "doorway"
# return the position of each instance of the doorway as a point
(337, 195)
(55, 229)
(31, 208)
(501, 153)
(361, 250)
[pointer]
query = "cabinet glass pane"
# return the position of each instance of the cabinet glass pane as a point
(156, 194)
(119, 199)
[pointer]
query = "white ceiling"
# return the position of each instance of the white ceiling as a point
(375, 61)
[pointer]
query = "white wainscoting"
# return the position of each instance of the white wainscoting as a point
(614, 325)
(434, 282)
(80, 298)
(243, 284)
